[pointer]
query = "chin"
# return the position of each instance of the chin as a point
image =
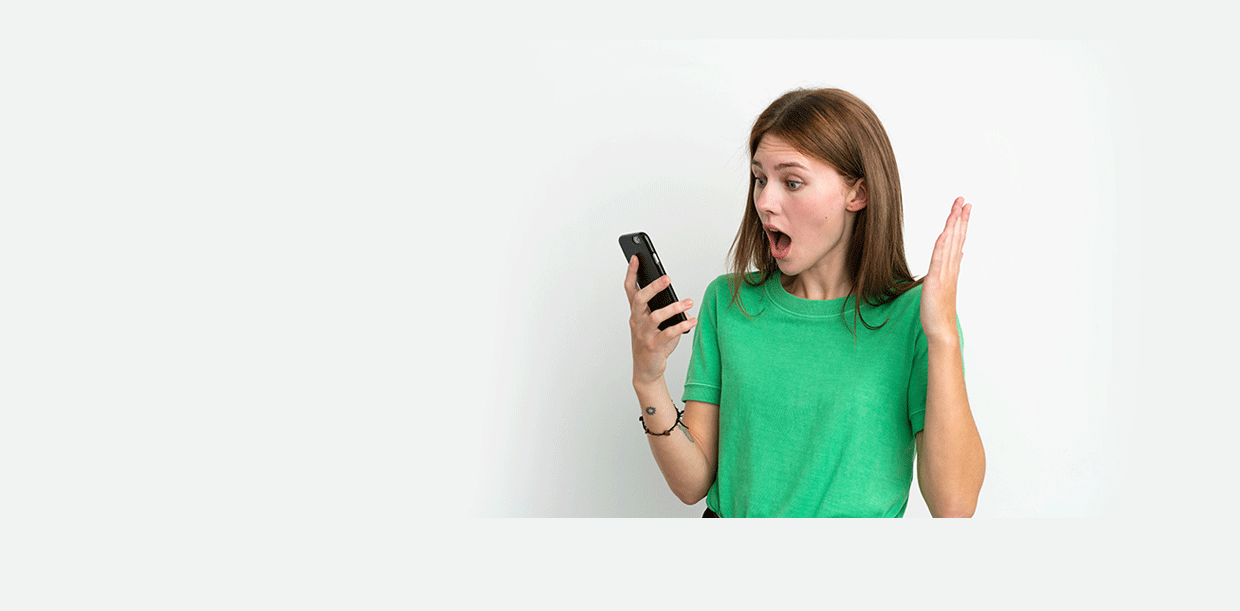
(786, 268)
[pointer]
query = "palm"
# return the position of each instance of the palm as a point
(938, 292)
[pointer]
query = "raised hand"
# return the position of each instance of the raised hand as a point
(938, 291)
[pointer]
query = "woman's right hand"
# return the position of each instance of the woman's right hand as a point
(651, 346)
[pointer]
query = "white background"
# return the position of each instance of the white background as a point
(268, 273)
(1020, 129)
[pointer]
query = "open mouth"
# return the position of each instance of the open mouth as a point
(781, 242)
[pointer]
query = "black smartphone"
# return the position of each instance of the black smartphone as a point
(649, 269)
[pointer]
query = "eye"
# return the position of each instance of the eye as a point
(758, 180)
(793, 185)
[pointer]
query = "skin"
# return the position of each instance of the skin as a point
(951, 461)
(808, 200)
(938, 291)
(687, 461)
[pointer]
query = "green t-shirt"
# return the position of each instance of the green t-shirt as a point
(811, 423)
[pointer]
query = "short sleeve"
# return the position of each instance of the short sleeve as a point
(920, 377)
(703, 382)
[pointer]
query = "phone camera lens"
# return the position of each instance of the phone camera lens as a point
(637, 240)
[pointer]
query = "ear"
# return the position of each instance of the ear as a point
(857, 196)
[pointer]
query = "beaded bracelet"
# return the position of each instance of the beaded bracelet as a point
(642, 419)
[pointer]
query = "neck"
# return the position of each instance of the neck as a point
(818, 284)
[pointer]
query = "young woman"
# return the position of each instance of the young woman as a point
(816, 378)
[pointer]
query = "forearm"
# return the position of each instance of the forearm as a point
(951, 462)
(679, 455)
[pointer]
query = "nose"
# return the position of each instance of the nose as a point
(766, 200)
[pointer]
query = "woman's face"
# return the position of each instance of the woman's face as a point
(805, 207)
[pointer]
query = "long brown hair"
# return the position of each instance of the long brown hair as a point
(840, 130)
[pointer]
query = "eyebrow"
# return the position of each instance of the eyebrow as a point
(780, 166)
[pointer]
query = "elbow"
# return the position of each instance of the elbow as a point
(956, 512)
(690, 497)
(952, 494)
(960, 507)
(693, 493)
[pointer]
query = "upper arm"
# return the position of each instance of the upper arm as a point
(703, 422)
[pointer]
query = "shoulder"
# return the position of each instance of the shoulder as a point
(719, 284)
(904, 307)
(729, 290)
(725, 283)
(914, 291)
(904, 295)
(716, 290)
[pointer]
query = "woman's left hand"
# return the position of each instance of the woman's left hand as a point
(938, 290)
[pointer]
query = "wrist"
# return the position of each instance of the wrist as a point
(646, 387)
(943, 341)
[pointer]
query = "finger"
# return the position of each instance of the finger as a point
(952, 215)
(955, 246)
(964, 231)
(630, 278)
(677, 330)
(643, 296)
(953, 224)
(936, 257)
(958, 232)
(664, 313)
